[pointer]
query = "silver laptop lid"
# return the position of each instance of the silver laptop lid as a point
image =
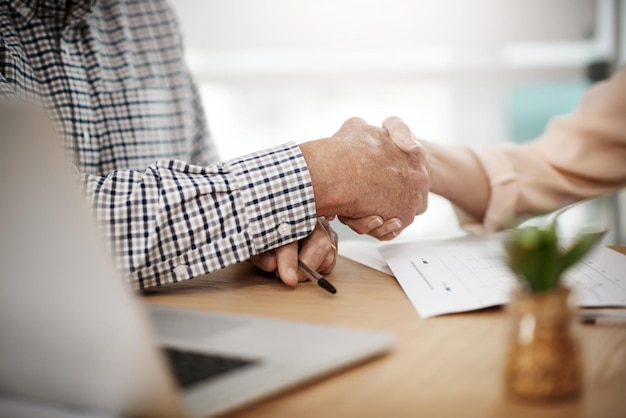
(72, 335)
(52, 260)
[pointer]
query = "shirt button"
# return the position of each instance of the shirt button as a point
(283, 229)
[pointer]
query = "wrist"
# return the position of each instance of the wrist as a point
(457, 175)
(326, 176)
(438, 167)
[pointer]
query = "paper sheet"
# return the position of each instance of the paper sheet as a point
(441, 277)
(366, 253)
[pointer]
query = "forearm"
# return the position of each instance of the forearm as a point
(580, 155)
(176, 221)
(457, 175)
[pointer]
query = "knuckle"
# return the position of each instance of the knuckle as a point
(326, 246)
(422, 204)
(355, 120)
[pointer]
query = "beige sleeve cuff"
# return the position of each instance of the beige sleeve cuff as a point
(504, 192)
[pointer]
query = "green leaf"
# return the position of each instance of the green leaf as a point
(535, 255)
(577, 251)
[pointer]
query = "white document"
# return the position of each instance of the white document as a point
(441, 277)
(366, 253)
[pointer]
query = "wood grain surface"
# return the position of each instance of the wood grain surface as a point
(449, 366)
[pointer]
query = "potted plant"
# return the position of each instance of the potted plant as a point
(543, 361)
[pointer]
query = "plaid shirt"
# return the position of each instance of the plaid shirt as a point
(113, 78)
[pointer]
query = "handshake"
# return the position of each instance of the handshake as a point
(375, 180)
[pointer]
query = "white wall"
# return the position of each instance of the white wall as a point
(273, 71)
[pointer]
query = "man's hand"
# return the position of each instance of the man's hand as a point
(360, 171)
(375, 225)
(318, 251)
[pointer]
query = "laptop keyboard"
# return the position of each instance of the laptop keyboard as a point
(190, 368)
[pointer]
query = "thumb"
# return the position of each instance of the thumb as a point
(401, 134)
(287, 260)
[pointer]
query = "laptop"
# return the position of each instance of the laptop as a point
(75, 341)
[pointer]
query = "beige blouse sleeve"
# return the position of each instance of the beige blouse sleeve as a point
(579, 155)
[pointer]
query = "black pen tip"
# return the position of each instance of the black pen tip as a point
(325, 284)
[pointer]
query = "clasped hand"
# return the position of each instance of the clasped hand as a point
(376, 180)
(318, 251)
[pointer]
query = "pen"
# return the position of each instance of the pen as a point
(603, 316)
(321, 280)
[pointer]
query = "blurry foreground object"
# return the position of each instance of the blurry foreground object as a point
(544, 361)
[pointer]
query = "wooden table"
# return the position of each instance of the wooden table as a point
(448, 366)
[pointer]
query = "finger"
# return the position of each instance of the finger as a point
(319, 250)
(328, 265)
(401, 134)
(323, 222)
(287, 263)
(265, 261)
(389, 237)
(331, 258)
(389, 230)
(363, 225)
(332, 234)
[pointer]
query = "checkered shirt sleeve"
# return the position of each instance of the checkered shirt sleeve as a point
(176, 221)
(111, 74)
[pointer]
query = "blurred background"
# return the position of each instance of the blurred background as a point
(479, 71)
